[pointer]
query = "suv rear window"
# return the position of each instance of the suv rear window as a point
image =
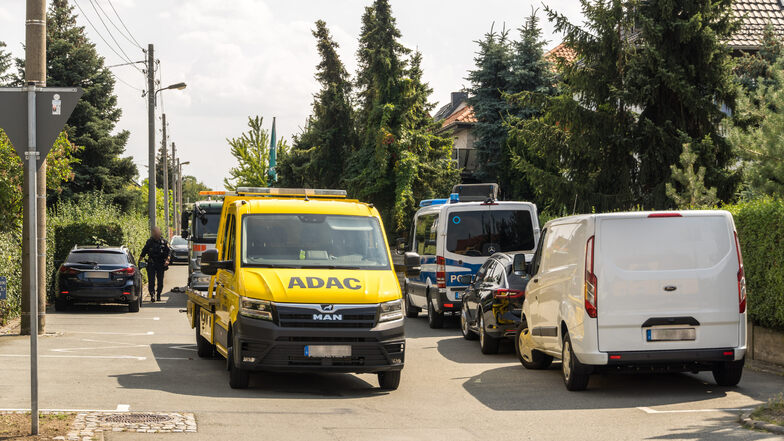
(482, 233)
(97, 257)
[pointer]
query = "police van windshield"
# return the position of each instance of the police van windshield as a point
(482, 233)
(206, 226)
(313, 241)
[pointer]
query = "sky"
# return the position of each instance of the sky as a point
(258, 57)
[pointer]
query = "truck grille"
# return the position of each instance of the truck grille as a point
(341, 317)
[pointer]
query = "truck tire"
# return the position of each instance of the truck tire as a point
(203, 347)
(411, 310)
(60, 304)
(728, 373)
(389, 380)
(134, 306)
(434, 319)
(537, 360)
(238, 378)
(488, 344)
(468, 334)
(575, 374)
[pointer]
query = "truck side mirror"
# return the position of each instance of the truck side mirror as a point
(412, 262)
(519, 266)
(401, 245)
(185, 234)
(209, 262)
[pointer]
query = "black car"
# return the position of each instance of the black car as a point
(493, 300)
(99, 275)
(179, 249)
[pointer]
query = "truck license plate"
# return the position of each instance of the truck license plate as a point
(672, 334)
(328, 351)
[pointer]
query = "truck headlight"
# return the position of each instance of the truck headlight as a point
(389, 311)
(260, 309)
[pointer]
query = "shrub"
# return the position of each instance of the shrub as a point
(11, 268)
(760, 226)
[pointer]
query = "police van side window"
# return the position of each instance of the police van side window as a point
(426, 234)
(537, 261)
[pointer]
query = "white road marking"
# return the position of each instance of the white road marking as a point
(123, 408)
(184, 347)
(119, 357)
(120, 408)
(111, 333)
(648, 410)
(116, 345)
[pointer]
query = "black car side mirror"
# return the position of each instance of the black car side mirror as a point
(412, 262)
(519, 266)
(210, 263)
(465, 279)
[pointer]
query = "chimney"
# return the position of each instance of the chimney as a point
(459, 97)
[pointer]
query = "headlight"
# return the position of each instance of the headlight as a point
(389, 311)
(260, 309)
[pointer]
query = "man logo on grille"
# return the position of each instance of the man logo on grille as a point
(328, 317)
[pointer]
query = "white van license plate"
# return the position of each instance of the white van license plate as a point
(328, 351)
(672, 334)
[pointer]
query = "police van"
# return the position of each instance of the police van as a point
(454, 237)
(302, 281)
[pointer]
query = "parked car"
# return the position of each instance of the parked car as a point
(454, 237)
(99, 275)
(647, 291)
(493, 300)
(179, 249)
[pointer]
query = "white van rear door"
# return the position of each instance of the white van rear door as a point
(667, 283)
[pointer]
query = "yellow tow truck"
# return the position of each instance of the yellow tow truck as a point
(302, 280)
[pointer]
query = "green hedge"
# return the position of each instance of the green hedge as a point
(84, 233)
(11, 268)
(760, 226)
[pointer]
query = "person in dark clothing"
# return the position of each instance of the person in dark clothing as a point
(158, 251)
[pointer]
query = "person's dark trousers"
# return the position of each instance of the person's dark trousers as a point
(155, 272)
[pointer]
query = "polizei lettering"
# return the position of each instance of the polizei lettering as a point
(327, 316)
(331, 282)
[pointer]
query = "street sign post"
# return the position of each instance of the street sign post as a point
(32, 133)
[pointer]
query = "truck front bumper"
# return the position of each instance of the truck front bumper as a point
(264, 346)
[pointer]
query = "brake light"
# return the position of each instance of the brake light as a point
(664, 214)
(125, 271)
(440, 272)
(741, 278)
(67, 270)
(591, 289)
(508, 294)
(198, 248)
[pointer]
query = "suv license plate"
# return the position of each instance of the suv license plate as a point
(97, 275)
(328, 351)
(672, 334)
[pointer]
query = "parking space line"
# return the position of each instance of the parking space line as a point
(120, 408)
(119, 357)
(112, 333)
(648, 410)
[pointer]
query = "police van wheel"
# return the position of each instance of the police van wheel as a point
(411, 310)
(238, 378)
(434, 319)
(389, 380)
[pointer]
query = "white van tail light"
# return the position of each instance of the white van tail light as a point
(440, 272)
(665, 214)
(590, 280)
(741, 278)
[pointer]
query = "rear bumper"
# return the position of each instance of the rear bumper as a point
(445, 304)
(681, 360)
(264, 346)
(101, 295)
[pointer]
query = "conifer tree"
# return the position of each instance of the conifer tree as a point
(692, 192)
(6, 77)
(251, 150)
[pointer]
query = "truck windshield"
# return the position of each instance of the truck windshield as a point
(206, 226)
(482, 233)
(313, 241)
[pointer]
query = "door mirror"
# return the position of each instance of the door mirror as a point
(210, 263)
(465, 279)
(400, 245)
(185, 234)
(519, 266)
(412, 262)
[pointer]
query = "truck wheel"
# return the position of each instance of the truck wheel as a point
(468, 334)
(575, 374)
(530, 358)
(389, 380)
(238, 378)
(60, 304)
(434, 319)
(134, 306)
(411, 310)
(203, 347)
(728, 373)
(487, 343)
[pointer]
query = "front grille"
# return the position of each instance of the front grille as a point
(345, 317)
(328, 339)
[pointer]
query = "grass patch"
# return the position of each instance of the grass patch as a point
(16, 426)
(771, 412)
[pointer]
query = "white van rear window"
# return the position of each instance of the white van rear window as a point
(663, 244)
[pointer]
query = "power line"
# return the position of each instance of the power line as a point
(111, 35)
(99, 34)
(98, 3)
(123, 25)
(125, 82)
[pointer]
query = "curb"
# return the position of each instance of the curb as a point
(746, 420)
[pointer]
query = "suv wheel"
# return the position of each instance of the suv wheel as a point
(468, 334)
(389, 380)
(434, 319)
(575, 374)
(487, 343)
(728, 373)
(530, 358)
(60, 304)
(134, 306)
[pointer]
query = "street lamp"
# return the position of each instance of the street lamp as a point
(151, 176)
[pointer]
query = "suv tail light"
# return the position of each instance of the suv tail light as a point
(440, 272)
(68, 271)
(591, 288)
(508, 294)
(741, 278)
(124, 271)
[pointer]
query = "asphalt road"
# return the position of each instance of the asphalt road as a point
(101, 357)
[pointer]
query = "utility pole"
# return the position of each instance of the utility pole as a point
(151, 133)
(174, 190)
(165, 165)
(178, 218)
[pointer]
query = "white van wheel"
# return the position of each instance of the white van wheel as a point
(530, 358)
(575, 374)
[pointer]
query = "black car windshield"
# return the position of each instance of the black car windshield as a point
(313, 241)
(178, 241)
(482, 233)
(97, 258)
(206, 226)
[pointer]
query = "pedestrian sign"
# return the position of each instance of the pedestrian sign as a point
(3, 288)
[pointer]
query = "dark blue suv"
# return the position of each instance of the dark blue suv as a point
(93, 274)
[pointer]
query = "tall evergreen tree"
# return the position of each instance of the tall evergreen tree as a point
(159, 168)
(73, 61)
(6, 77)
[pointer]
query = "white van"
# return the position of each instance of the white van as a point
(450, 238)
(642, 291)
